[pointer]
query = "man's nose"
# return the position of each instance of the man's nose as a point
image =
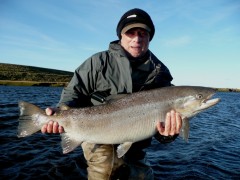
(137, 37)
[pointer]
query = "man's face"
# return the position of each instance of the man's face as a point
(135, 41)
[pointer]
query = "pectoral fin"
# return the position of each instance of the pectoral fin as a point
(68, 144)
(185, 129)
(123, 148)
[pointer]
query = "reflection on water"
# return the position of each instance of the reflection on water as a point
(211, 153)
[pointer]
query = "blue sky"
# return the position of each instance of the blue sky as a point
(198, 40)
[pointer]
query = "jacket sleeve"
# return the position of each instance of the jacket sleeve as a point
(82, 84)
(165, 139)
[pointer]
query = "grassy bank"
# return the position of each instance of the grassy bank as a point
(228, 89)
(19, 75)
(32, 83)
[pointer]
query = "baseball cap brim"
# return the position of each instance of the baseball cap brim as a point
(135, 25)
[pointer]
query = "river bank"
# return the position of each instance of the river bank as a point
(20, 75)
(32, 83)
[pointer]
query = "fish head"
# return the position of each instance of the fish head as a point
(194, 100)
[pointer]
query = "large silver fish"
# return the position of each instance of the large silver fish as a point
(124, 121)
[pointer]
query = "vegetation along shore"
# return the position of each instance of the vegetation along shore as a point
(19, 75)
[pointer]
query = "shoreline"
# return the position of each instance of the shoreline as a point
(63, 84)
(32, 83)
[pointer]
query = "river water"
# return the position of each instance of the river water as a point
(213, 150)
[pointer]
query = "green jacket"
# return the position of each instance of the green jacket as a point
(111, 72)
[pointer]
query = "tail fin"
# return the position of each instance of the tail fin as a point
(28, 120)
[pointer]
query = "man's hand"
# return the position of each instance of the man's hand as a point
(172, 125)
(51, 127)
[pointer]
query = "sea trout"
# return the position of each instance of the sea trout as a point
(129, 119)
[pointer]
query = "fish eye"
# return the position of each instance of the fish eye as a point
(199, 96)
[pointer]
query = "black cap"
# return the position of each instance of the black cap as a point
(135, 18)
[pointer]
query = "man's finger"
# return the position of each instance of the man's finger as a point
(50, 127)
(55, 127)
(60, 129)
(173, 123)
(167, 124)
(44, 128)
(179, 123)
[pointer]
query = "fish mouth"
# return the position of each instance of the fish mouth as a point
(208, 102)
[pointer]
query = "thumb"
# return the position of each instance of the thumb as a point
(160, 127)
(49, 111)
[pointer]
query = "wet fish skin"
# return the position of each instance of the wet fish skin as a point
(124, 121)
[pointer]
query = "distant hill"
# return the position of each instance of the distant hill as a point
(29, 75)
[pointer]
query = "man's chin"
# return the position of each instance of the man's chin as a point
(136, 55)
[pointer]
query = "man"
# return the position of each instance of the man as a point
(128, 66)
